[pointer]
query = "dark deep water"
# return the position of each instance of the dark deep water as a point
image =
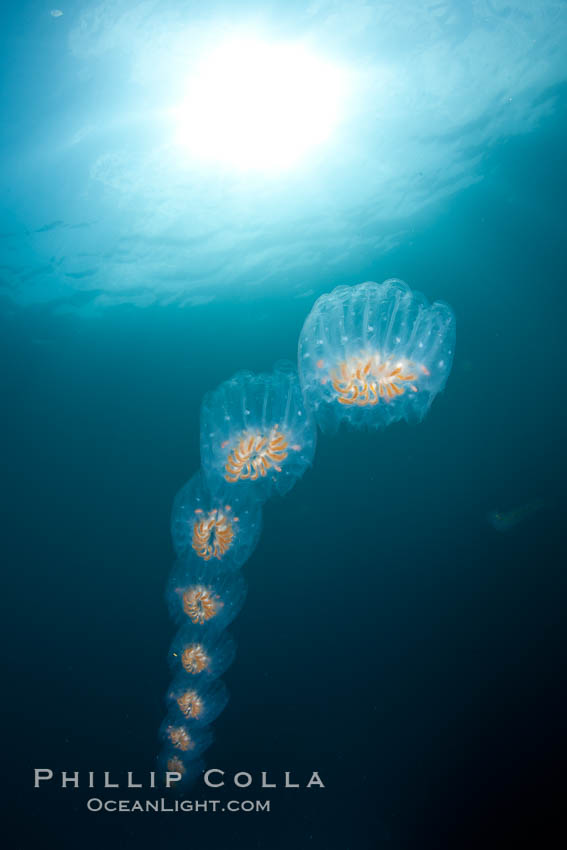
(391, 638)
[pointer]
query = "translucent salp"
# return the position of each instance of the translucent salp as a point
(256, 435)
(373, 354)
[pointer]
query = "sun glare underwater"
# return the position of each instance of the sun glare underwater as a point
(252, 104)
(251, 140)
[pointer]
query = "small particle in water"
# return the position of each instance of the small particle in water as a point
(56, 13)
(506, 520)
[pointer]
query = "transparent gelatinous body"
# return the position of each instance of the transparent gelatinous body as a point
(177, 769)
(210, 527)
(183, 739)
(199, 656)
(180, 738)
(204, 596)
(198, 702)
(373, 354)
(190, 704)
(256, 435)
(175, 764)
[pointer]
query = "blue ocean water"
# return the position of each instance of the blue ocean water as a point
(394, 638)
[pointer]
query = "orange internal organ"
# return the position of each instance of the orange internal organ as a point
(194, 659)
(212, 535)
(255, 454)
(190, 704)
(365, 379)
(179, 737)
(175, 765)
(200, 604)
